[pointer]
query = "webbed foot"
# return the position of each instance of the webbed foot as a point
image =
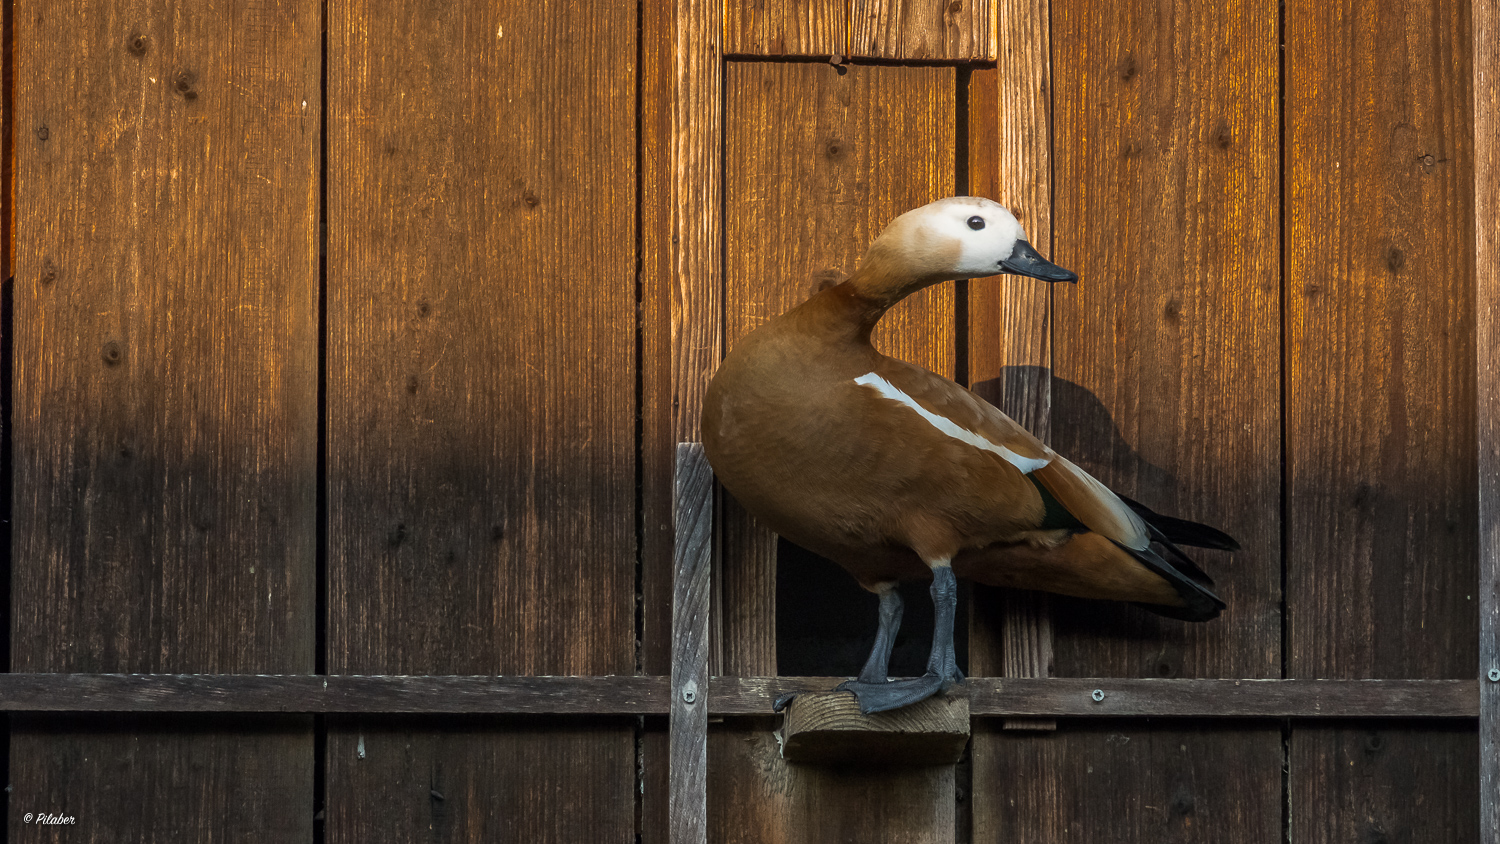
(883, 697)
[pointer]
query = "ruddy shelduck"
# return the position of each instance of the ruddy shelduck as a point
(896, 473)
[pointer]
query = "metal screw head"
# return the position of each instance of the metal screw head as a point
(1494, 675)
(690, 692)
(1098, 695)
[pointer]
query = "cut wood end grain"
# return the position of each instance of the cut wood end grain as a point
(827, 728)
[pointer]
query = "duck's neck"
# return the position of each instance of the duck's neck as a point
(841, 313)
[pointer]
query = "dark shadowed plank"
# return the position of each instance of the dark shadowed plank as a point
(1010, 317)
(755, 797)
(954, 30)
(1381, 454)
(162, 778)
(787, 28)
(819, 159)
(1386, 782)
(1486, 45)
(1167, 350)
(165, 399)
(481, 391)
(638, 695)
(1380, 303)
(476, 780)
(1089, 783)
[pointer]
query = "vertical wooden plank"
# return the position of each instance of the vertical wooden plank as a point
(165, 401)
(1010, 319)
(1386, 782)
(787, 28)
(955, 30)
(693, 516)
(1200, 782)
(1380, 434)
(1485, 40)
(658, 439)
(1380, 438)
(819, 159)
(1167, 350)
(1166, 385)
(481, 388)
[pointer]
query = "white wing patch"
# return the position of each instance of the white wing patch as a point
(888, 390)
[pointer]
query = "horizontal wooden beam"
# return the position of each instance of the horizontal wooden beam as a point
(626, 695)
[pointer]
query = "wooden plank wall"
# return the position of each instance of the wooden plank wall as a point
(481, 390)
(1273, 331)
(165, 413)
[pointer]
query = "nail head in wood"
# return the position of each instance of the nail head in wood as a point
(828, 728)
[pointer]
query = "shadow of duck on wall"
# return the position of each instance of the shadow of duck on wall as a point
(823, 619)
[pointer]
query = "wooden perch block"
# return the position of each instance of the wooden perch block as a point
(827, 728)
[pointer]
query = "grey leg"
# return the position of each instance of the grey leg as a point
(877, 667)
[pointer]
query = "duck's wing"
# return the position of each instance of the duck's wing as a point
(965, 416)
(1120, 544)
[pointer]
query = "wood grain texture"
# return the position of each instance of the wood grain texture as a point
(1485, 40)
(829, 729)
(166, 338)
(1088, 781)
(658, 442)
(1387, 782)
(481, 398)
(1380, 341)
(693, 515)
(1166, 384)
(756, 797)
(150, 778)
(950, 30)
(1166, 352)
(475, 779)
(787, 28)
(1010, 317)
(1380, 437)
(165, 387)
(696, 153)
(651, 695)
(818, 160)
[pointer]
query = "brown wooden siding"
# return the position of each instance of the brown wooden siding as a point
(358, 338)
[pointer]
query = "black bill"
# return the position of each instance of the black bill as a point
(1024, 260)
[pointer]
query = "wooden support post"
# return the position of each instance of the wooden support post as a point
(827, 728)
(693, 519)
(1486, 39)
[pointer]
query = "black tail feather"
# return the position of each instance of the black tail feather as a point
(1182, 531)
(1199, 604)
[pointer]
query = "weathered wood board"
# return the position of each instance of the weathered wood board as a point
(1167, 350)
(1381, 482)
(481, 390)
(1164, 383)
(1122, 782)
(165, 389)
(907, 30)
(849, 149)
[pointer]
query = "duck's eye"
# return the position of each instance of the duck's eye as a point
(976, 223)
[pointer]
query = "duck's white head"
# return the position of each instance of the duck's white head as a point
(957, 237)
